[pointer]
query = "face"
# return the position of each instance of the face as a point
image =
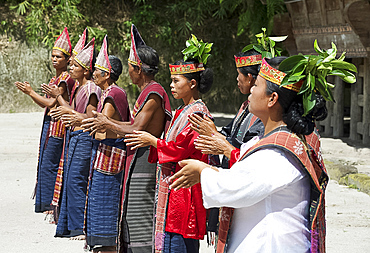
(245, 83)
(258, 99)
(181, 87)
(98, 79)
(76, 70)
(134, 73)
(58, 59)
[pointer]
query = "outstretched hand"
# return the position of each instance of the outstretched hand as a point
(95, 124)
(73, 119)
(140, 139)
(24, 87)
(59, 111)
(53, 91)
(202, 125)
(215, 144)
(189, 175)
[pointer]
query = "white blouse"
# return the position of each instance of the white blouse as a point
(270, 195)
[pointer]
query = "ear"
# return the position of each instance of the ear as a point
(193, 84)
(107, 76)
(273, 99)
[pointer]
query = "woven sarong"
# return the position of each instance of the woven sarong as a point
(76, 172)
(49, 157)
(104, 194)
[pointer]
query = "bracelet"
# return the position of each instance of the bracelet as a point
(57, 96)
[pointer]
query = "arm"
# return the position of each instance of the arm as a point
(55, 92)
(40, 100)
(101, 122)
(215, 145)
(74, 118)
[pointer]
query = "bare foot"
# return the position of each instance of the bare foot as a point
(78, 237)
(48, 212)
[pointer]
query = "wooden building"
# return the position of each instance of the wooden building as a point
(347, 24)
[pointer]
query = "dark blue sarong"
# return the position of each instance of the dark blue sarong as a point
(103, 203)
(176, 243)
(75, 178)
(49, 157)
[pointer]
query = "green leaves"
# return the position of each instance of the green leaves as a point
(196, 49)
(313, 70)
(266, 45)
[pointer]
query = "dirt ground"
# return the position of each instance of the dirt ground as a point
(22, 230)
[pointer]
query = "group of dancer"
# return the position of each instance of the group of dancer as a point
(143, 181)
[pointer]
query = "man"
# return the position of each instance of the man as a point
(151, 113)
(53, 131)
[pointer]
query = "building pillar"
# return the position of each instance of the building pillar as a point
(366, 104)
(338, 110)
(355, 112)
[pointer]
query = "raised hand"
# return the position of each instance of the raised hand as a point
(140, 139)
(72, 119)
(203, 125)
(189, 175)
(59, 111)
(95, 124)
(24, 87)
(53, 91)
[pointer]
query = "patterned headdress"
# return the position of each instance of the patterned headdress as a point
(63, 42)
(275, 76)
(102, 61)
(85, 57)
(250, 60)
(81, 43)
(136, 41)
(186, 68)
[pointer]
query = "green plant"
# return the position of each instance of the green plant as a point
(197, 49)
(313, 70)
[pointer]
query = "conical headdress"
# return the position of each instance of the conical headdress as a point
(81, 43)
(136, 41)
(63, 43)
(85, 57)
(102, 61)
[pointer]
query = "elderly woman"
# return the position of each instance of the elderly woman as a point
(275, 192)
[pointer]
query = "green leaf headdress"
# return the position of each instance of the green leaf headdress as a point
(311, 71)
(266, 45)
(195, 49)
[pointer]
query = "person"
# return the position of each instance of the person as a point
(275, 204)
(151, 113)
(180, 216)
(53, 131)
(77, 167)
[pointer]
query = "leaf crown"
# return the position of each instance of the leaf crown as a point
(312, 70)
(266, 45)
(197, 49)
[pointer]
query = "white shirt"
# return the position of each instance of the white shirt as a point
(270, 195)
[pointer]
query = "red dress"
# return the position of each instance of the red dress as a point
(185, 214)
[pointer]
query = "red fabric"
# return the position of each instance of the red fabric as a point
(186, 214)
(234, 157)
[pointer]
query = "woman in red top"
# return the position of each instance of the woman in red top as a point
(180, 216)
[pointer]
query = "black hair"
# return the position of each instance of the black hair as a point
(150, 57)
(116, 65)
(203, 78)
(292, 105)
(253, 69)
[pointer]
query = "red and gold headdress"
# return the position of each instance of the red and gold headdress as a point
(186, 68)
(102, 61)
(63, 43)
(85, 57)
(81, 43)
(250, 60)
(276, 76)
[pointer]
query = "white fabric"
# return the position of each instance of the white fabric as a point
(270, 195)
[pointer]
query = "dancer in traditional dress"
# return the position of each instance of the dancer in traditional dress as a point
(108, 159)
(151, 113)
(180, 218)
(53, 131)
(273, 197)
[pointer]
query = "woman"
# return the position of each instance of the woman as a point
(180, 215)
(53, 131)
(76, 172)
(272, 197)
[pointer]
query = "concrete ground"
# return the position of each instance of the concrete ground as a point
(22, 230)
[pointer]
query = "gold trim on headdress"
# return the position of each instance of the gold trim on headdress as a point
(250, 60)
(186, 68)
(276, 76)
(63, 43)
